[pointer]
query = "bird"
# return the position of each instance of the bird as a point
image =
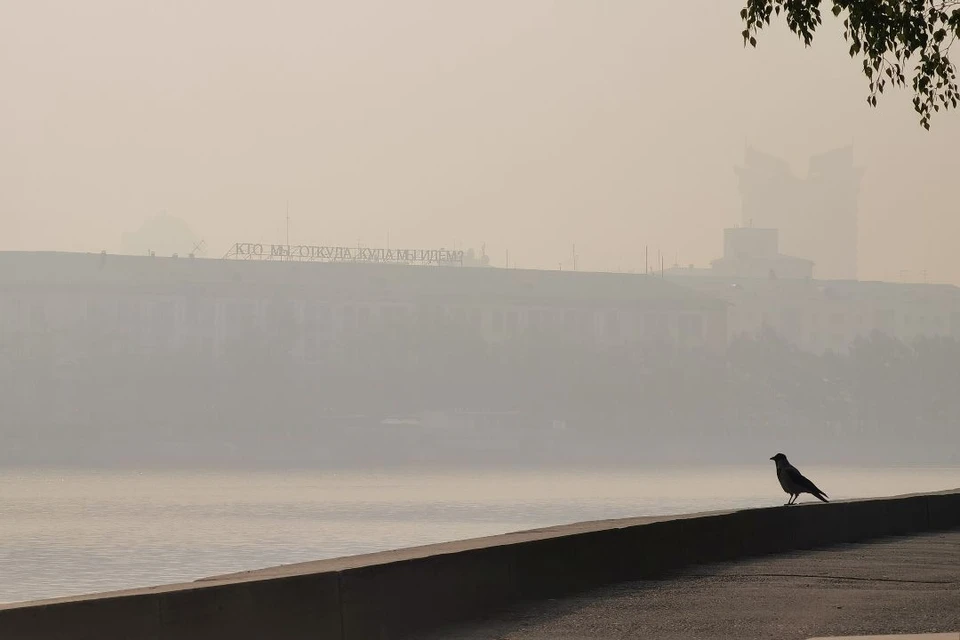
(794, 482)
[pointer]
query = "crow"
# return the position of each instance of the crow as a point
(793, 482)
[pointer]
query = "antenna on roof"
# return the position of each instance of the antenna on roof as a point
(199, 248)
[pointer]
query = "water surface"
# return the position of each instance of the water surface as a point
(65, 532)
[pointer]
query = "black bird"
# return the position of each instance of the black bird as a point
(794, 482)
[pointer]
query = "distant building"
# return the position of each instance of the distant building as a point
(755, 253)
(163, 235)
(767, 291)
(68, 304)
(822, 315)
(816, 215)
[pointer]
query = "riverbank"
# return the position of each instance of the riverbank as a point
(398, 593)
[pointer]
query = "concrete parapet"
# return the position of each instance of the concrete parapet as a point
(383, 600)
(133, 616)
(944, 510)
(386, 595)
(296, 607)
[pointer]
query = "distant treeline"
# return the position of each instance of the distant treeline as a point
(881, 391)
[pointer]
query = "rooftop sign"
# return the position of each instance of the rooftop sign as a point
(311, 253)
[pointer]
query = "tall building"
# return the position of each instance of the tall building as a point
(816, 214)
(749, 252)
(767, 291)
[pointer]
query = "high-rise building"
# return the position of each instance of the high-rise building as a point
(816, 214)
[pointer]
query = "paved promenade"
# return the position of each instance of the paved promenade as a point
(891, 586)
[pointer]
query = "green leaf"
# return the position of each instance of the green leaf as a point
(886, 35)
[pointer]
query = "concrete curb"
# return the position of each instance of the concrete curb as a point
(386, 595)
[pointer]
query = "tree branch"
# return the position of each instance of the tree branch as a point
(888, 35)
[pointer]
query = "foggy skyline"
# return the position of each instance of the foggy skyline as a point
(527, 126)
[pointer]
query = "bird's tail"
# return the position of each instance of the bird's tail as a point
(821, 495)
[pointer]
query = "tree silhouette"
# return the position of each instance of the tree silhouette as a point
(901, 42)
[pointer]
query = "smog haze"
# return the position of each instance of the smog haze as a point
(529, 126)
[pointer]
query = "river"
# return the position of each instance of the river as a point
(65, 532)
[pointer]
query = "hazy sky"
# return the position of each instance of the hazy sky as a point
(526, 124)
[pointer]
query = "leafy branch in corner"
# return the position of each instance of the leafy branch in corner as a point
(893, 37)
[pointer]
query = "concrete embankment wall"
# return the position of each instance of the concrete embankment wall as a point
(386, 595)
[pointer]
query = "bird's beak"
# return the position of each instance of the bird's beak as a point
(772, 457)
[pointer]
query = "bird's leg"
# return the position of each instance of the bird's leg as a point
(793, 498)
